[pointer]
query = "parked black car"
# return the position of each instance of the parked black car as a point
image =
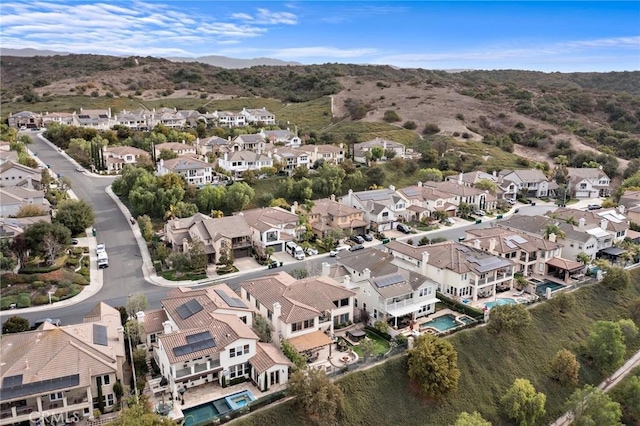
(367, 237)
(403, 228)
(357, 239)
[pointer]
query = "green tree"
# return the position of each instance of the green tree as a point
(262, 328)
(238, 196)
(508, 318)
(556, 230)
(523, 404)
(36, 234)
(487, 185)
(617, 278)
(430, 129)
(146, 228)
(15, 324)
(211, 197)
(629, 329)
(433, 365)
(628, 394)
(605, 345)
(583, 258)
(302, 190)
(375, 176)
(137, 302)
(564, 302)
(376, 153)
(430, 174)
(139, 413)
(77, 215)
(564, 367)
(464, 210)
(367, 346)
(473, 419)
(30, 210)
(321, 400)
(391, 116)
(197, 257)
(590, 406)
(129, 178)
(167, 154)
(328, 180)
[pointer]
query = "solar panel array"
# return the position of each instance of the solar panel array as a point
(377, 195)
(195, 342)
(234, 302)
(411, 191)
(388, 280)
(14, 388)
(489, 264)
(188, 309)
(100, 335)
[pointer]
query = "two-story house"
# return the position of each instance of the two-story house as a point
(193, 117)
(327, 214)
(207, 337)
(195, 172)
(217, 235)
(212, 145)
(59, 371)
(230, 119)
(304, 312)
(271, 227)
(361, 149)
(176, 147)
(423, 201)
(13, 198)
(330, 154)
(459, 270)
(15, 174)
(290, 158)
(168, 117)
(459, 193)
(138, 119)
(529, 253)
(385, 290)
(26, 120)
(382, 207)
(588, 182)
(116, 157)
(255, 142)
(261, 115)
(64, 118)
(99, 119)
(530, 182)
(285, 137)
(240, 161)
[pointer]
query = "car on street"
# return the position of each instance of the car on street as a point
(357, 239)
(403, 228)
(79, 169)
(356, 247)
(449, 221)
(74, 241)
(594, 207)
(367, 237)
(511, 201)
(311, 251)
(337, 250)
(479, 212)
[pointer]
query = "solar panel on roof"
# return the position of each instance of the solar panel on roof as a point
(388, 280)
(195, 342)
(518, 239)
(485, 265)
(193, 338)
(188, 309)
(231, 301)
(44, 386)
(11, 381)
(100, 335)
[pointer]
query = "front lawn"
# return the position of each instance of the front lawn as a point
(381, 348)
(172, 275)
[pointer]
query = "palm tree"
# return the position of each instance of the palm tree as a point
(571, 221)
(556, 230)
(583, 258)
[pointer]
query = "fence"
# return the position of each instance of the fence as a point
(252, 406)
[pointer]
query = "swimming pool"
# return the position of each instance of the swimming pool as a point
(500, 302)
(443, 323)
(213, 409)
(466, 320)
(541, 288)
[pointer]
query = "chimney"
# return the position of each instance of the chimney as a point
(26, 364)
(161, 164)
(425, 261)
(120, 331)
(420, 184)
(621, 209)
(476, 243)
(140, 316)
(351, 197)
(494, 173)
(326, 269)
(366, 273)
(581, 223)
(167, 327)
(346, 281)
(603, 224)
(294, 207)
(226, 157)
(492, 245)
(391, 187)
(277, 312)
(552, 237)
(460, 179)
(333, 197)
(184, 142)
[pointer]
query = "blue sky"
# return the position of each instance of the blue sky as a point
(545, 36)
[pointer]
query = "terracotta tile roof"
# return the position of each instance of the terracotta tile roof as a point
(153, 321)
(175, 146)
(567, 265)
(126, 150)
(299, 299)
(269, 217)
(267, 356)
(506, 240)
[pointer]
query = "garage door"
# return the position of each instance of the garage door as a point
(277, 247)
(238, 253)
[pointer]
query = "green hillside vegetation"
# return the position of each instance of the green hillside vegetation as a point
(365, 131)
(489, 364)
(627, 393)
(71, 103)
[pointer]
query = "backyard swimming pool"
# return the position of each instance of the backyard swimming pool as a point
(213, 409)
(542, 287)
(500, 302)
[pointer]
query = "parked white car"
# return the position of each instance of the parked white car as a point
(479, 212)
(311, 251)
(335, 251)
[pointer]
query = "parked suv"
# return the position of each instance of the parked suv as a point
(356, 247)
(403, 228)
(594, 207)
(357, 239)
(367, 237)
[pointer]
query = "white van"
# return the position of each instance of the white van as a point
(294, 250)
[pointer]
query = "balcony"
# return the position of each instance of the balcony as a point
(241, 243)
(399, 304)
(207, 365)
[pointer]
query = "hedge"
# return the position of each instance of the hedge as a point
(474, 313)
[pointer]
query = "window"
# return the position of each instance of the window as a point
(428, 291)
(56, 396)
(108, 400)
(243, 319)
(106, 380)
(342, 319)
(463, 277)
(270, 315)
(238, 351)
(342, 302)
(297, 326)
(153, 338)
(239, 370)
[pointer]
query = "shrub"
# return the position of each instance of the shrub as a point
(460, 116)
(381, 326)
(391, 116)
(431, 129)
(410, 125)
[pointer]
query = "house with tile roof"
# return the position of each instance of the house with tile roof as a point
(304, 312)
(531, 181)
(290, 158)
(240, 161)
(261, 115)
(212, 145)
(588, 182)
(327, 214)
(116, 157)
(271, 227)
(459, 270)
(11, 227)
(99, 119)
(176, 147)
(216, 235)
(15, 174)
(284, 136)
(529, 253)
(57, 370)
(7, 155)
(382, 207)
(205, 337)
(194, 171)
(230, 119)
(26, 119)
(331, 154)
(13, 198)
(255, 142)
(64, 118)
(476, 198)
(138, 119)
(360, 150)
(423, 201)
(387, 291)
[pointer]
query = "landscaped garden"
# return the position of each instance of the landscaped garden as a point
(381, 346)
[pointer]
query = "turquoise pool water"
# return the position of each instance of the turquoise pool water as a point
(467, 320)
(541, 289)
(500, 302)
(443, 323)
(212, 409)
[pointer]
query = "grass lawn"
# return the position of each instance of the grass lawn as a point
(381, 348)
(629, 404)
(489, 364)
(172, 275)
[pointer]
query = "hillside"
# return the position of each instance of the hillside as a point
(533, 114)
